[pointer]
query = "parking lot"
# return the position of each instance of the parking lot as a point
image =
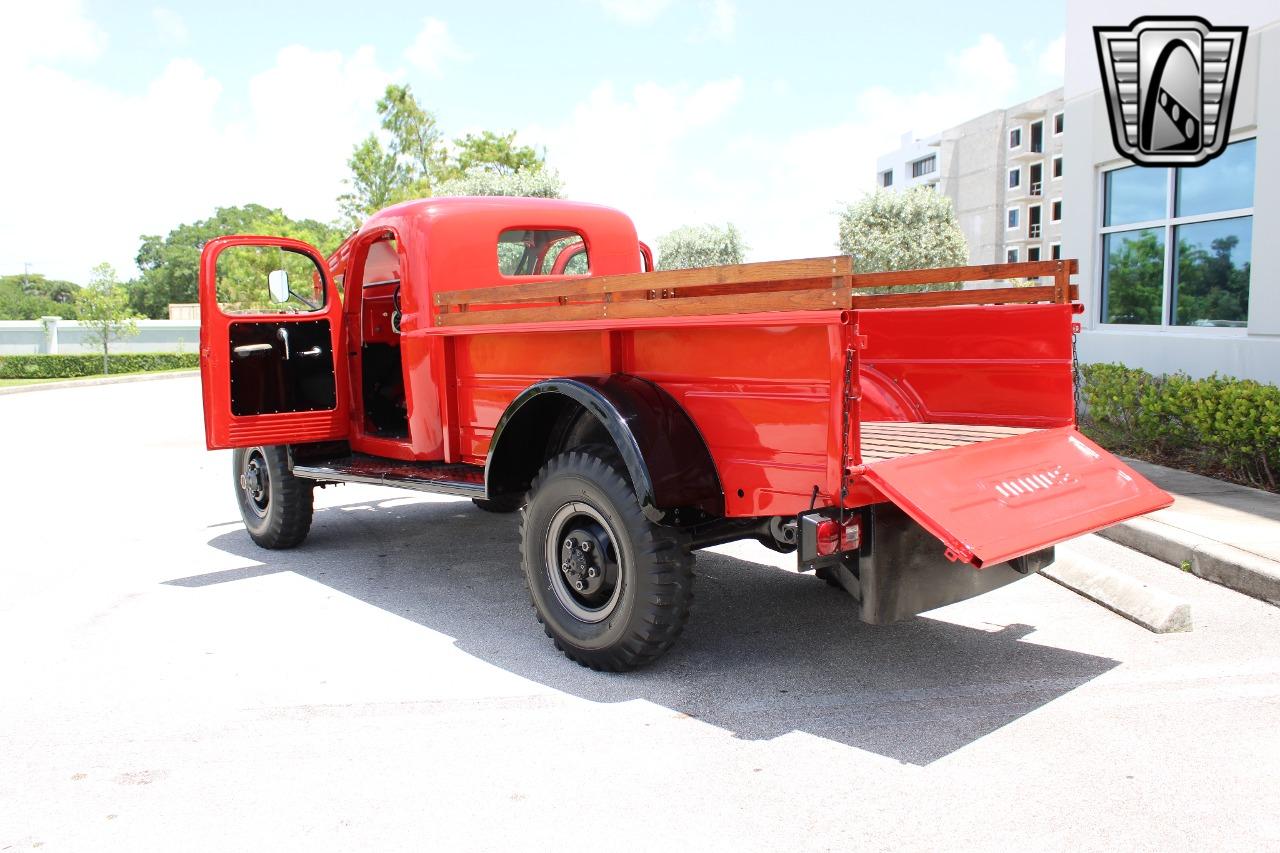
(166, 685)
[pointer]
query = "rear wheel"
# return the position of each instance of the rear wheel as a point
(275, 505)
(611, 588)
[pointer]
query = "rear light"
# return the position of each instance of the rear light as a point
(834, 537)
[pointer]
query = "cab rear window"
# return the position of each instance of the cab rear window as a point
(542, 251)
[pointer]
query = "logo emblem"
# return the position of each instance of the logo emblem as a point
(1170, 84)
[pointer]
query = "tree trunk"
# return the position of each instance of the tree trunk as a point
(105, 366)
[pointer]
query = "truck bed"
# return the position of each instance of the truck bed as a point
(881, 440)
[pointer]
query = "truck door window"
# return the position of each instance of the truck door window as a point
(542, 251)
(245, 277)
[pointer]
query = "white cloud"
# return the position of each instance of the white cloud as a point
(170, 27)
(1053, 62)
(112, 166)
(635, 11)
(659, 155)
(434, 46)
(47, 31)
(723, 16)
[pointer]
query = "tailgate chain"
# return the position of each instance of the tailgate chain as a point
(845, 458)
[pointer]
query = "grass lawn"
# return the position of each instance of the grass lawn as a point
(9, 383)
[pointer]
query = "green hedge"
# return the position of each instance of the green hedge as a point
(67, 366)
(1217, 425)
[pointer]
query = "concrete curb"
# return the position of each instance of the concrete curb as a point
(1153, 609)
(98, 380)
(1242, 571)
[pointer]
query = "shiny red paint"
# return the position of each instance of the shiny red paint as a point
(766, 391)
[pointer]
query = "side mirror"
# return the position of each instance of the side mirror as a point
(278, 285)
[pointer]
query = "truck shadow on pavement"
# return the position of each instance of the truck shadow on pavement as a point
(765, 653)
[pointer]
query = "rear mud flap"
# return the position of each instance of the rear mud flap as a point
(900, 571)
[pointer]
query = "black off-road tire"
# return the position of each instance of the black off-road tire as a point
(498, 506)
(278, 513)
(652, 568)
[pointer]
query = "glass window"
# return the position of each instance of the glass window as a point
(1136, 194)
(1133, 276)
(1224, 183)
(1057, 166)
(1015, 137)
(1033, 253)
(247, 276)
(1211, 274)
(1012, 255)
(1055, 251)
(542, 251)
(1013, 217)
(1056, 211)
(1015, 178)
(1058, 124)
(924, 166)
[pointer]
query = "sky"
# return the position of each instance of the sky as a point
(127, 118)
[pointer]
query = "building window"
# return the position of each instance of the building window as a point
(1015, 139)
(1011, 255)
(1055, 251)
(923, 166)
(1037, 137)
(1177, 244)
(886, 178)
(1033, 253)
(1015, 178)
(1012, 220)
(1058, 125)
(1057, 167)
(1055, 210)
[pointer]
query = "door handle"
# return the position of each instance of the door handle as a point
(246, 350)
(284, 336)
(313, 351)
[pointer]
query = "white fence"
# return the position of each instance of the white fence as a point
(55, 335)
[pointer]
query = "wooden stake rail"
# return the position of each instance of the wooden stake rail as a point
(812, 284)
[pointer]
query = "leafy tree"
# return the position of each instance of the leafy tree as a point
(32, 296)
(1134, 284)
(692, 246)
(1211, 287)
(378, 179)
(416, 163)
(479, 181)
(915, 229)
(492, 152)
(103, 309)
(171, 264)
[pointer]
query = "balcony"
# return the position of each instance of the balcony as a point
(1036, 188)
(1033, 231)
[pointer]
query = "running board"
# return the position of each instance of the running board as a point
(463, 480)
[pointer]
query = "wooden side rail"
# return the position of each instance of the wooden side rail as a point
(812, 284)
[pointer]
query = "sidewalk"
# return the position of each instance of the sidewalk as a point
(1219, 531)
(100, 380)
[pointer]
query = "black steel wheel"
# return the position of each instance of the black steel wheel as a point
(611, 588)
(275, 505)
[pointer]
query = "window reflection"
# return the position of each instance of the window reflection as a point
(1211, 284)
(1224, 183)
(1136, 194)
(1133, 278)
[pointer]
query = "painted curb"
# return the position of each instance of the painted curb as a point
(99, 380)
(1242, 571)
(1152, 608)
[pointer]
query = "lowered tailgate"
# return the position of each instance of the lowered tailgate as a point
(995, 500)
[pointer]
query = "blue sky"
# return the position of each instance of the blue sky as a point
(143, 116)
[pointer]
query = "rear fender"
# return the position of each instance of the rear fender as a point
(665, 456)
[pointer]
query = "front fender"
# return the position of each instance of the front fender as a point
(667, 460)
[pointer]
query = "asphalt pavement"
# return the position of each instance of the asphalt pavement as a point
(165, 685)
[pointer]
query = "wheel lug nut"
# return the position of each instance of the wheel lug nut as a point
(586, 547)
(577, 585)
(591, 572)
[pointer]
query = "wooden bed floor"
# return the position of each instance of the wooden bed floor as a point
(883, 440)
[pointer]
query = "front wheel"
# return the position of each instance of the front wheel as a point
(275, 505)
(611, 588)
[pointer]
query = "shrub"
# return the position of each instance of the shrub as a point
(1216, 425)
(68, 366)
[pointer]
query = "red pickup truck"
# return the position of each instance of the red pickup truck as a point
(913, 447)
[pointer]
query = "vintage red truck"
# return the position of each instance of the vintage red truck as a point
(915, 448)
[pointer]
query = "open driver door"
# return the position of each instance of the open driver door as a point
(270, 328)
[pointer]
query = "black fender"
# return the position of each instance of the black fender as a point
(665, 455)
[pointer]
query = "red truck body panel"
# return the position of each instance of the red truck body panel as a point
(766, 391)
